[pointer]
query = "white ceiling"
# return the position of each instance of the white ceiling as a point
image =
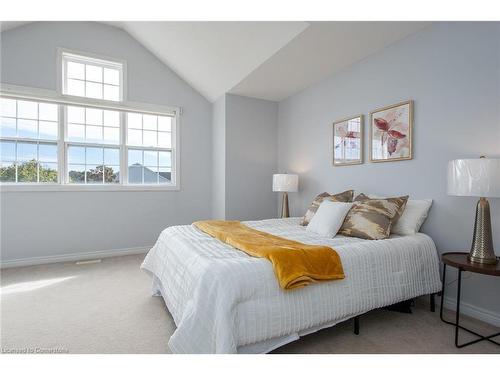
(322, 50)
(268, 60)
(213, 57)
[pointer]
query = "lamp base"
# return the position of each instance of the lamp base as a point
(482, 242)
(284, 206)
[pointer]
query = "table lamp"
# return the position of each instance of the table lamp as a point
(285, 183)
(477, 178)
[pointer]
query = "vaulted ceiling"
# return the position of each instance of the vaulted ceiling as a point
(321, 50)
(268, 60)
(213, 57)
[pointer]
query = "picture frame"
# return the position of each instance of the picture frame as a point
(348, 141)
(391, 133)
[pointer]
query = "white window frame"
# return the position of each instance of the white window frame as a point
(64, 55)
(50, 96)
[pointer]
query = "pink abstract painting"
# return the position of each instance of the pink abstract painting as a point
(347, 141)
(391, 131)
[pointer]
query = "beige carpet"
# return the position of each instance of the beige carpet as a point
(107, 308)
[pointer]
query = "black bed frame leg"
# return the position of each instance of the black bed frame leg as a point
(356, 325)
(433, 302)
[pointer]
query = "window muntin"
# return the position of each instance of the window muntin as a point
(149, 130)
(26, 153)
(149, 148)
(96, 163)
(93, 165)
(28, 119)
(93, 125)
(92, 78)
(28, 162)
(149, 166)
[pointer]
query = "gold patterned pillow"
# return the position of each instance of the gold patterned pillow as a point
(345, 197)
(362, 197)
(372, 219)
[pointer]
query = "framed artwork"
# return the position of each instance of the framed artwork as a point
(391, 132)
(348, 141)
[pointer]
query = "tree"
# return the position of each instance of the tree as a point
(8, 174)
(28, 172)
(95, 175)
(47, 174)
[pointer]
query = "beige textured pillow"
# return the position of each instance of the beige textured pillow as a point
(372, 219)
(399, 213)
(345, 197)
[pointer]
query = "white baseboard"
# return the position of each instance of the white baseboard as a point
(73, 257)
(478, 313)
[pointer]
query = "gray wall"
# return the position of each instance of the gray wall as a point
(452, 72)
(219, 159)
(251, 157)
(244, 140)
(56, 223)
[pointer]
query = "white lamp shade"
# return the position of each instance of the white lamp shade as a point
(285, 182)
(474, 177)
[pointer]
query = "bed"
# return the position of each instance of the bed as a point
(224, 301)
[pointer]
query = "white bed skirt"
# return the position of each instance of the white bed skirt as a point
(262, 347)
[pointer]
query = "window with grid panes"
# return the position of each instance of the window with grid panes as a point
(149, 148)
(92, 78)
(81, 143)
(28, 141)
(93, 145)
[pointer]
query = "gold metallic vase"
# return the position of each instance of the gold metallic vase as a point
(482, 242)
(284, 206)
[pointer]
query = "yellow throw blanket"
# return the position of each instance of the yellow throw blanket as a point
(295, 264)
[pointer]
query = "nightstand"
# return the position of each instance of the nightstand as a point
(460, 261)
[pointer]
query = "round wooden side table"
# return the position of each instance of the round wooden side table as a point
(460, 261)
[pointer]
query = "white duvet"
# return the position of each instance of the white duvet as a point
(224, 301)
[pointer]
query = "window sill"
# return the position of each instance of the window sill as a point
(83, 188)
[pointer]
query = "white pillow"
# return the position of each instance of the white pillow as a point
(329, 218)
(413, 217)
